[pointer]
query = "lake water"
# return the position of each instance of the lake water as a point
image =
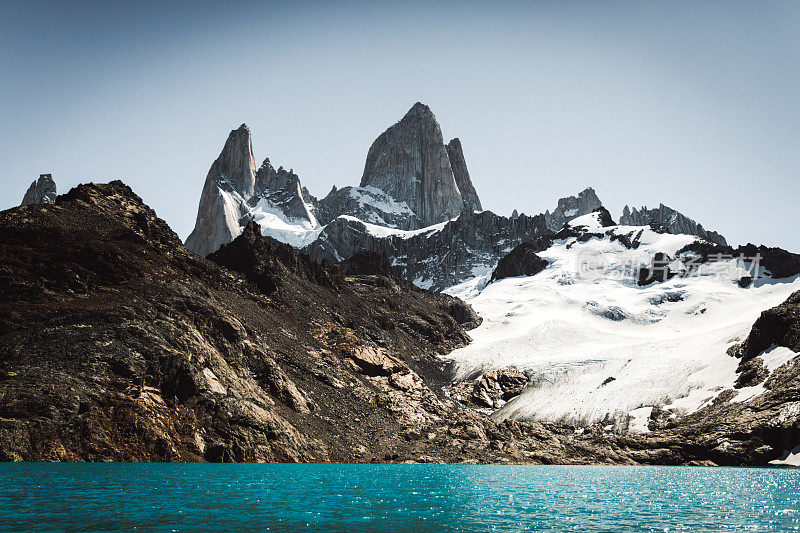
(217, 497)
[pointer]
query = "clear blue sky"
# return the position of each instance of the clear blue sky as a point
(696, 104)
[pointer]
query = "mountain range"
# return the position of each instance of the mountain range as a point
(415, 203)
(395, 320)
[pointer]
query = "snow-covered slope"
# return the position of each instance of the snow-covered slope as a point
(276, 223)
(370, 205)
(596, 346)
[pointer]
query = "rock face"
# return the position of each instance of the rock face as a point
(368, 204)
(521, 261)
(492, 390)
(670, 220)
(572, 207)
(235, 192)
(129, 347)
(410, 163)
(229, 184)
(779, 326)
(777, 261)
(604, 217)
(461, 174)
(434, 258)
(41, 191)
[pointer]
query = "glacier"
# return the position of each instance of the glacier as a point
(599, 348)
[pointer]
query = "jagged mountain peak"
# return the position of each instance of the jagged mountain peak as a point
(418, 114)
(267, 178)
(235, 163)
(588, 194)
(571, 207)
(419, 109)
(41, 191)
(410, 163)
(455, 152)
(670, 220)
(411, 180)
(235, 192)
(455, 141)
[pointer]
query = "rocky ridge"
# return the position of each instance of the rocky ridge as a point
(117, 343)
(416, 203)
(670, 221)
(756, 261)
(437, 257)
(572, 207)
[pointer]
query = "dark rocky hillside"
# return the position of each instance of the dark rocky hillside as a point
(118, 343)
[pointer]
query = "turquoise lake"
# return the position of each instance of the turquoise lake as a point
(221, 497)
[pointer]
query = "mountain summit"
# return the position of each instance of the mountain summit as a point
(230, 180)
(41, 191)
(410, 162)
(235, 193)
(461, 174)
(571, 207)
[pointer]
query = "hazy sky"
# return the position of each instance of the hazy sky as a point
(696, 105)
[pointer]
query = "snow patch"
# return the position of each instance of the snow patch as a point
(789, 458)
(640, 419)
(232, 200)
(590, 220)
(379, 200)
(773, 357)
(382, 231)
(297, 232)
